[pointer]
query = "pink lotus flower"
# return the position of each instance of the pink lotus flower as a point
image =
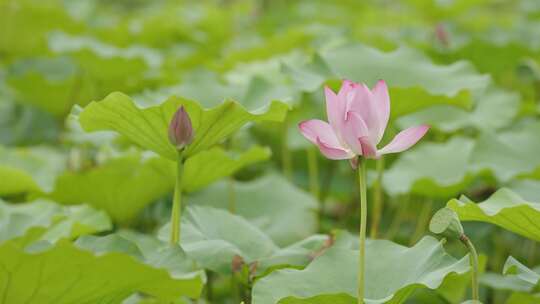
(357, 119)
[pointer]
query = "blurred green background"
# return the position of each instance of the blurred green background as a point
(469, 68)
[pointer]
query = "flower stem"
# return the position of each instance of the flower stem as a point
(176, 212)
(473, 257)
(377, 199)
(362, 236)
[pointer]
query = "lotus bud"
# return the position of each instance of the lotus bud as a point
(180, 129)
(446, 222)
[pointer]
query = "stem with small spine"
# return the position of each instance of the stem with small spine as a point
(362, 236)
(176, 211)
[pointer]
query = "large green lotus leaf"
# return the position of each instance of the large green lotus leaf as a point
(501, 282)
(24, 125)
(121, 186)
(53, 220)
(452, 290)
(529, 189)
(309, 77)
(25, 25)
(393, 272)
(61, 42)
(214, 236)
(523, 280)
(296, 255)
(131, 182)
(504, 56)
(444, 169)
(260, 91)
(455, 287)
(282, 77)
(75, 135)
(530, 279)
(154, 251)
(270, 47)
(201, 85)
(508, 154)
(146, 248)
(431, 169)
(211, 165)
(505, 209)
(516, 277)
(494, 109)
(25, 170)
(523, 298)
(431, 84)
(51, 84)
(414, 80)
(148, 127)
(90, 271)
(112, 67)
(284, 212)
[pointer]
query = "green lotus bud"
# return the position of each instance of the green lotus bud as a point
(180, 129)
(446, 222)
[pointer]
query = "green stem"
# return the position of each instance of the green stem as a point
(377, 199)
(176, 212)
(473, 257)
(362, 236)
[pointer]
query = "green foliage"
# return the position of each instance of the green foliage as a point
(213, 237)
(494, 110)
(130, 183)
(417, 82)
(416, 170)
(263, 215)
(148, 127)
(284, 212)
(505, 209)
(434, 169)
(48, 221)
(395, 272)
(126, 185)
(29, 169)
(528, 278)
(110, 276)
(213, 164)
